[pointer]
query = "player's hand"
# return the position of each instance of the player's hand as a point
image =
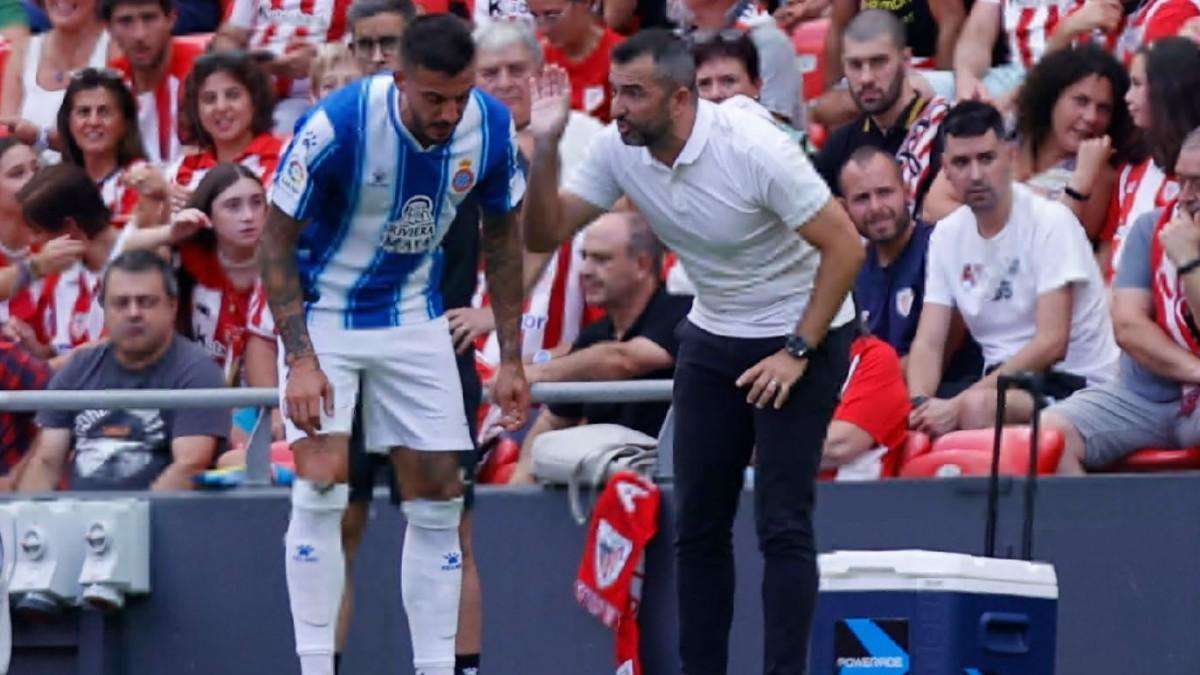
(936, 416)
(772, 379)
(468, 323)
(551, 106)
(510, 391)
(187, 223)
(57, 255)
(1181, 238)
(308, 393)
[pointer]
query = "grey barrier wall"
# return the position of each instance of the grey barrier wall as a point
(1126, 549)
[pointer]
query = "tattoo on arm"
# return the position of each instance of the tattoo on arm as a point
(281, 280)
(503, 260)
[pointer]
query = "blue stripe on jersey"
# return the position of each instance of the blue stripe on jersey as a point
(433, 289)
(433, 298)
(329, 240)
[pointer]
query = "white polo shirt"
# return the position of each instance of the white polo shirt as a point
(730, 208)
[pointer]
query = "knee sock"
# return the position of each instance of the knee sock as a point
(315, 568)
(431, 582)
(466, 664)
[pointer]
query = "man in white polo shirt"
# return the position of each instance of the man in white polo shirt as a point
(763, 352)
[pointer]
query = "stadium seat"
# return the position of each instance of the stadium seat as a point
(1151, 460)
(817, 134)
(281, 453)
(915, 445)
(809, 41)
(492, 470)
(969, 453)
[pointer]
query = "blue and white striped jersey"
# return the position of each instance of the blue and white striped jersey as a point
(378, 204)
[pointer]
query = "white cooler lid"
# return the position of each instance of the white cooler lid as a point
(915, 570)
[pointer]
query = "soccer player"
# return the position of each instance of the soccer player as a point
(351, 263)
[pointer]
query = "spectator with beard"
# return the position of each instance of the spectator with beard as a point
(154, 67)
(103, 449)
(890, 289)
(1152, 403)
(895, 116)
(1019, 269)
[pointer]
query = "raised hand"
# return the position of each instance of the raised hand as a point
(551, 107)
(57, 255)
(186, 223)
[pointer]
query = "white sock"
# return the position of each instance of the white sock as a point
(431, 581)
(316, 568)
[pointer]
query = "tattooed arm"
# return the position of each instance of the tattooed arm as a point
(503, 260)
(307, 387)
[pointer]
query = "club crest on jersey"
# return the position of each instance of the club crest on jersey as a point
(612, 553)
(463, 178)
(414, 231)
(904, 301)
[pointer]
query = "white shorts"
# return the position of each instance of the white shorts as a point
(411, 393)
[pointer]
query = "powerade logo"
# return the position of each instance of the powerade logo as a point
(871, 647)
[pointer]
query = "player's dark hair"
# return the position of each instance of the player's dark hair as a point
(142, 260)
(971, 119)
(60, 192)
(739, 48)
(438, 42)
(674, 67)
(240, 66)
(107, 7)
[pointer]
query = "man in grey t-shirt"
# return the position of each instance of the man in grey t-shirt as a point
(160, 449)
(1153, 401)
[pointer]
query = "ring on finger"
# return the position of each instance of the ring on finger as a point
(773, 385)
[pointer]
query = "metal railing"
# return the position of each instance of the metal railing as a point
(258, 454)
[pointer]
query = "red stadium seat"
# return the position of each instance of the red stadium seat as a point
(492, 471)
(5, 50)
(1152, 460)
(281, 453)
(817, 134)
(809, 40)
(969, 453)
(915, 445)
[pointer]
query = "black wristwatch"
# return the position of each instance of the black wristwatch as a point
(1189, 267)
(797, 346)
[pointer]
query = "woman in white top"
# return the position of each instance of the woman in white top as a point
(35, 81)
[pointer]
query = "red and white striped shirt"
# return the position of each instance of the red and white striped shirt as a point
(1141, 188)
(158, 110)
(70, 309)
(274, 24)
(22, 304)
(1153, 20)
(259, 320)
(916, 152)
(119, 199)
(555, 310)
(1029, 25)
(260, 156)
(218, 310)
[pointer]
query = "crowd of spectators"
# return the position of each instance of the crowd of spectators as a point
(1025, 177)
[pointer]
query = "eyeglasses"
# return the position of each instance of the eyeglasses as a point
(695, 37)
(388, 44)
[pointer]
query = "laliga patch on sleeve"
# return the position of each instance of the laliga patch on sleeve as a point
(871, 646)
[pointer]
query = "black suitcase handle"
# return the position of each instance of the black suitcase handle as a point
(1035, 384)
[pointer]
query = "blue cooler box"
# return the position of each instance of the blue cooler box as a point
(932, 613)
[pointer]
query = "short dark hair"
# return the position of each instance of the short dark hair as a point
(438, 42)
(870, 24)
(60, 192)
(1049, 78)
(365, 9)
(674, 66)
(108, 7)
(130, 148)
(241, 67)
(142, 260)
(8, 143)
(737, 47)
(1172, 83)
(863, 156)
(971, 119)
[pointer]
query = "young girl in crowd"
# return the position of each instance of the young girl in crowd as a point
(229, 102)
(1163, 103)
(1074, 130)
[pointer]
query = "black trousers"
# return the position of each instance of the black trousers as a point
(715, 433)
